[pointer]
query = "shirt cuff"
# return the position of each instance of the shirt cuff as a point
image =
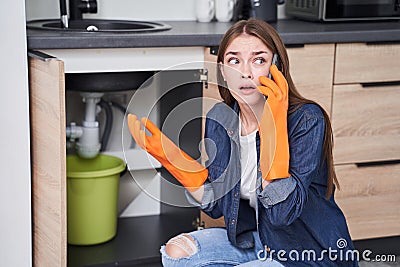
(207, 202)
(277, 191)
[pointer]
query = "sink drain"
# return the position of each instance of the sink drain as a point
(92, 28)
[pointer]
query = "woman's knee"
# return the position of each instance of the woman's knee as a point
(181, 246)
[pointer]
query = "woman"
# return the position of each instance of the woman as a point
(270, 172)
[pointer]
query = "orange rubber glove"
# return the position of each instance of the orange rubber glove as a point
(185, 169)
(274, 143)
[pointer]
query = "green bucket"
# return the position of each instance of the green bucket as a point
(92, 196)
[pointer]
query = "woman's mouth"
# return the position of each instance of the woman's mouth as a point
(247, 89)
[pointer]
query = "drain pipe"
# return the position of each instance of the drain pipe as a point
(88, 134)
(89, 142)
(108, 124)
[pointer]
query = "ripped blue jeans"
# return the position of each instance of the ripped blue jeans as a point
(211, 247)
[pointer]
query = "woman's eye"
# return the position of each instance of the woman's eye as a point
(233, 61)
(259, 60)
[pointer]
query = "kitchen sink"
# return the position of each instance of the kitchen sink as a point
(107, 81)
(99, 25)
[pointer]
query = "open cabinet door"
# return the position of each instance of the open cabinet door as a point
(48, 153)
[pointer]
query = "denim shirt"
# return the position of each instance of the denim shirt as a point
(292, 216)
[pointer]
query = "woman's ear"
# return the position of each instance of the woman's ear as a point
(221, 69)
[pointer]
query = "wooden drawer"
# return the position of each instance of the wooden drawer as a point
(311, 68)
(366, 123)
(366, 180)
(369, 199)
(362, 63)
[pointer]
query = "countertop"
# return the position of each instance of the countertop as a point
(191, 33)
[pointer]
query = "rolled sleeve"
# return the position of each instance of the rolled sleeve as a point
(276, 192)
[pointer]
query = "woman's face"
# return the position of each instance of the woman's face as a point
(246, 58)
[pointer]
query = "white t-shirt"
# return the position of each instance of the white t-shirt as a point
(248, 161)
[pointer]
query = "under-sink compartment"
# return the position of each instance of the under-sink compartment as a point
(139, 190)
(172, 100)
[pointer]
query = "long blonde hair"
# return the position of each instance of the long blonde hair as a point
(271, 39)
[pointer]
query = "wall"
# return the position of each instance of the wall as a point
(126, 9)
(15, 191)
(121, 9)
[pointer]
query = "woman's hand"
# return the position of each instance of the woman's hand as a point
(274, 148)
(185, 169)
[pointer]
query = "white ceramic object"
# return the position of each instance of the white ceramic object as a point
(224, 10)
(205, 10)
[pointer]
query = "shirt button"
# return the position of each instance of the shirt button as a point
(236, 194)
(259, 169)
(233, 221)
(230, 132)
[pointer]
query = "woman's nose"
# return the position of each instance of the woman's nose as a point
(246, 72)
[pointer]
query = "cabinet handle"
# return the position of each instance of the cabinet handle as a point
(378, 163)
(380, 84)
(294, 45)
(383, 43)
(39, 55)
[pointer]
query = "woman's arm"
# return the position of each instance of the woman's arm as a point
(274, 144)
(184, 168)
(284, 199)
(218, 150)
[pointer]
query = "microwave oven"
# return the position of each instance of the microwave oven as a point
(343, 10)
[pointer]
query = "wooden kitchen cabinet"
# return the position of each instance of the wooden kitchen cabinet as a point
(369, 199)
(346, 79)
(311, 67)
(48, 146)
(366, 128)
(366, 115)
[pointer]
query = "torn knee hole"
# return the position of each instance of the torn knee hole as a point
(181, 246)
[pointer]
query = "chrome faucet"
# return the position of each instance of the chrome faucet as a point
(76, 9)
(63, 14)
